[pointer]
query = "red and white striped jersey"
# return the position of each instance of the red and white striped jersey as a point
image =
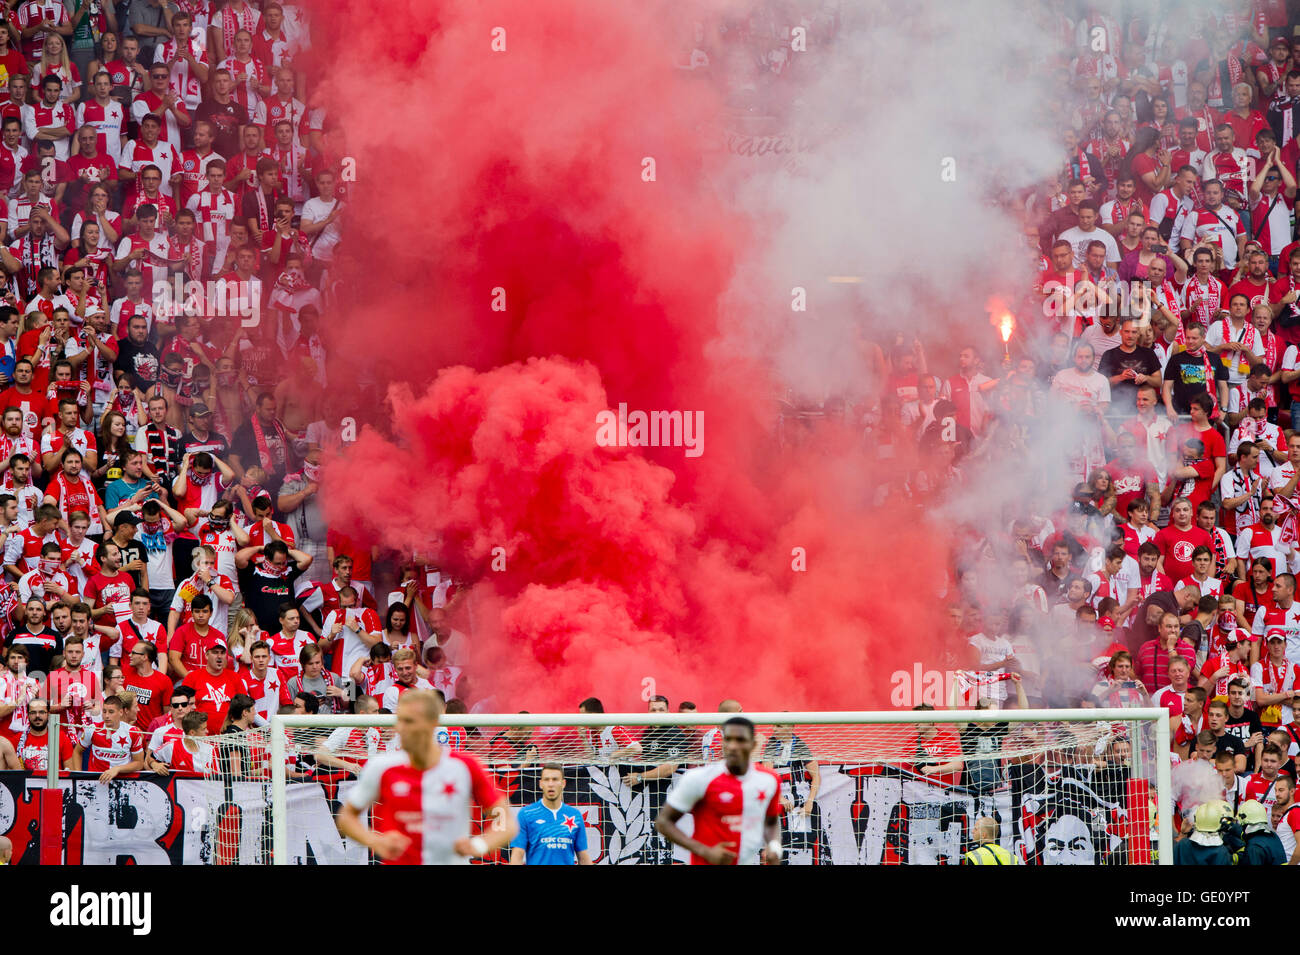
(176, 755)
(1118, 210)
(608, 740)
(41, 116)
(396, 689)
(11, 168)
(33, 12)
(194, 173)
(1205, 300)
(1209, 587)
(109, 122)
(1235, 169)
(184, 82)
(1270, 677)
(293, 171)
(269, 692)
(150, 102)
(245, 73)
(273, 109)
(729, 809)
(285, 649)
(110, 748)
(166, 156)
(1221, 226)
(214, 212)
(434, 807)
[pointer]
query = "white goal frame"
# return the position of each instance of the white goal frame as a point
(1157, 715)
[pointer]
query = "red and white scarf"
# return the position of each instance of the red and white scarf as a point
(34, 258)
(66, 486)
(233, 20)
(266, 457)
(1200, 296)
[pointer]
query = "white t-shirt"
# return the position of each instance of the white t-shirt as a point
(1079, 388)
(1214, 336)
(317, 209)
(1080, 241)
(992, 649)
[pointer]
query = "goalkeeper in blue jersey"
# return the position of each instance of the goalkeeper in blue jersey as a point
(550, 832)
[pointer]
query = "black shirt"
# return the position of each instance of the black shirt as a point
(1230, 743)
(1243, 727)
(664, 743)
(1187, 372)
(133, 550)
(141, 362)
(226, 120)
(981, 744)
(42, 646)
(264, 594)
(1143, 361)
(215, 444)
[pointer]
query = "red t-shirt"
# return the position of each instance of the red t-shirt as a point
(1176, 547)
(193, 646)
(1244, 591)
(1215, 446)
(152, 693)
(112, 592)
(944, 747)
(1129, 483)
(35, 407)
(1258, 293)
(213, 694)
(344, 545)
(1143, 164)
(33, 751)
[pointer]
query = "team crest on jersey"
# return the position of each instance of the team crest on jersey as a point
(277, 110)
(189, 165)
(1183, 551)
(401, 788)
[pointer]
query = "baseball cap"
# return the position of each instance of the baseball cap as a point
(1276, 633)
(1106, 623)
(1280, 41)
(198, 409)
(126, 517)
(217, 646)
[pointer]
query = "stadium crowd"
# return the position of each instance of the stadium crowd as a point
(1162, 337)
(168, 572)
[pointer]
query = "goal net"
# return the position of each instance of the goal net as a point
(1058, 787)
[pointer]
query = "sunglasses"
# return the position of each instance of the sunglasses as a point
(178, 706)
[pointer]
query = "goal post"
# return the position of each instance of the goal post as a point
(1085, 786)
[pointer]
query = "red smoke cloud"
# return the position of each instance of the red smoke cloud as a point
(523, 171)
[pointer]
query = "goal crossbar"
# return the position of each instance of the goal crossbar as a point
(1156, 716)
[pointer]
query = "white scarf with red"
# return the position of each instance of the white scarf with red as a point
(1169, 296)
(1125, 208)
(1215, 90)
(1277, 676)
(67, 488)
(34, 258)
(1249, 335)
(233, 20)
(191, 253)
(9, 446)
(1203, 298)
(1286, 521)
(292, 280)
